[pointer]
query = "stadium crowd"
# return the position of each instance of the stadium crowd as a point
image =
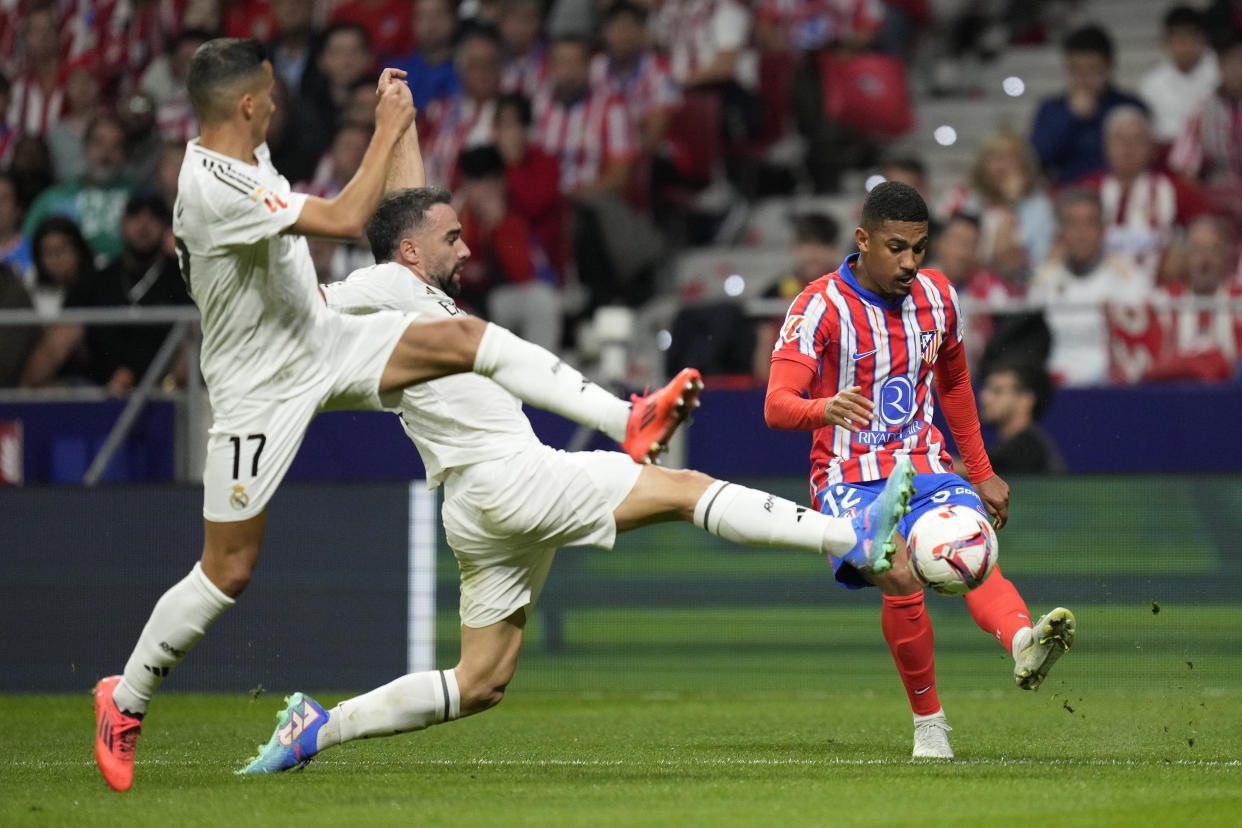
(587, 142)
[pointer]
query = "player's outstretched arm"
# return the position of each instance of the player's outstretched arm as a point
(346, 215)
(406, 169)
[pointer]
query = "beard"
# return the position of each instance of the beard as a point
(450, 283)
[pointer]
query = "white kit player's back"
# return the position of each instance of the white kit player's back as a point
(253, 283)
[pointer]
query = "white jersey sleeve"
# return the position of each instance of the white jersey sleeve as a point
(454, 421)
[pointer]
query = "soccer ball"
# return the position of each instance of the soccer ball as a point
(952, 549)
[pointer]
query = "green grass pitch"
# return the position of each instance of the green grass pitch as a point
(656, 717)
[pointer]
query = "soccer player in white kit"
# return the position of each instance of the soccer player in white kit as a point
(510, 501)
(273, 355)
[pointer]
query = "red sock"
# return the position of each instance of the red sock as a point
(908, 631)
(998, 609)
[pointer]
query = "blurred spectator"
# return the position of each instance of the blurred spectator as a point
(297, 43)
(1068, 134)
(82, 105)
(1075, 284)
(248, 18)
(1143, 207)
(31, 167)
(1185, 76)
(168, 170)
(164, 82)
(464, 120)
(38, 93)
(361, 106)
(136, 114)
(15, 252)
(533, 178)
(16, 341)
(628, 67)
(431, 75)
(817, 252)
(62, 259)
(389, 22)
(7, 133)
(339, 164)
(97, 199)
(806, 26)
(1015, 215)
(1202, 344)
(339, 258)
(910, 169)
(507, 273)
(344, 60)
(1209, 150)
(1223, 19)
(1012, 401)
(296, 134)
(588, 131)
(145, 274)
(955, 253)
(525, 52)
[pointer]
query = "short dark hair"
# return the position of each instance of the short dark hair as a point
(400, 213)
(1032, 378)
(60, 226)
(1184, 17)
(1089, 38)
(519, 103)
(816, 228)
(1078, 195)
(481, 162)
(892, 201)
(626, 8)
(217, 67)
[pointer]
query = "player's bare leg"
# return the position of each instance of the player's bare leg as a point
(413, 702)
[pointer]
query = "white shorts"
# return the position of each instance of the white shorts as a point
(253, 441)
(506, 518)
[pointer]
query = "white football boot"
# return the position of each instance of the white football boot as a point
(1051, 636)
(931, 737)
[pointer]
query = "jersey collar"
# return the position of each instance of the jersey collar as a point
(846, 272)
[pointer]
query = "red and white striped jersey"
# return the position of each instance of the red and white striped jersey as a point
(453, 125)
(646, 88)
(525, 74)
(813, 24)
(584, 135)
(34, 109)
(1210, 147)
(693, 32)
(851, 336)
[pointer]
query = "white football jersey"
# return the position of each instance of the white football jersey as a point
(453, 421)
(254, 284)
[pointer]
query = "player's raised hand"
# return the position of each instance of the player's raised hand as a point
(994, 492)
(388, 76)
(849, 409)
(395, 110)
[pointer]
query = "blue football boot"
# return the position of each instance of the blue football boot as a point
(293, 744)
(876, 526)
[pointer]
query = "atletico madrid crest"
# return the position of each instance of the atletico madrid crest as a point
(929, 345)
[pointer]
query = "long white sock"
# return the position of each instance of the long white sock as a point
(177, 622)
(411, 702)
(539, 377)
(757, 518)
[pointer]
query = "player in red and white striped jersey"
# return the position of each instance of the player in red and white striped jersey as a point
(864, 343)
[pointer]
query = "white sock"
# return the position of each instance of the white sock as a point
(939, 714)
(539, 377)
(757, 518)
(177, 622)
(411, 702)
(1021, 639)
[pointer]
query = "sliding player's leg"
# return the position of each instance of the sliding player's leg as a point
(412, 702)
(428, 350)
(249, 450)
(756, 518)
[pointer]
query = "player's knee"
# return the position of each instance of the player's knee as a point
(482, 692)
(230, 575)
(685, 487)
(897, 581)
